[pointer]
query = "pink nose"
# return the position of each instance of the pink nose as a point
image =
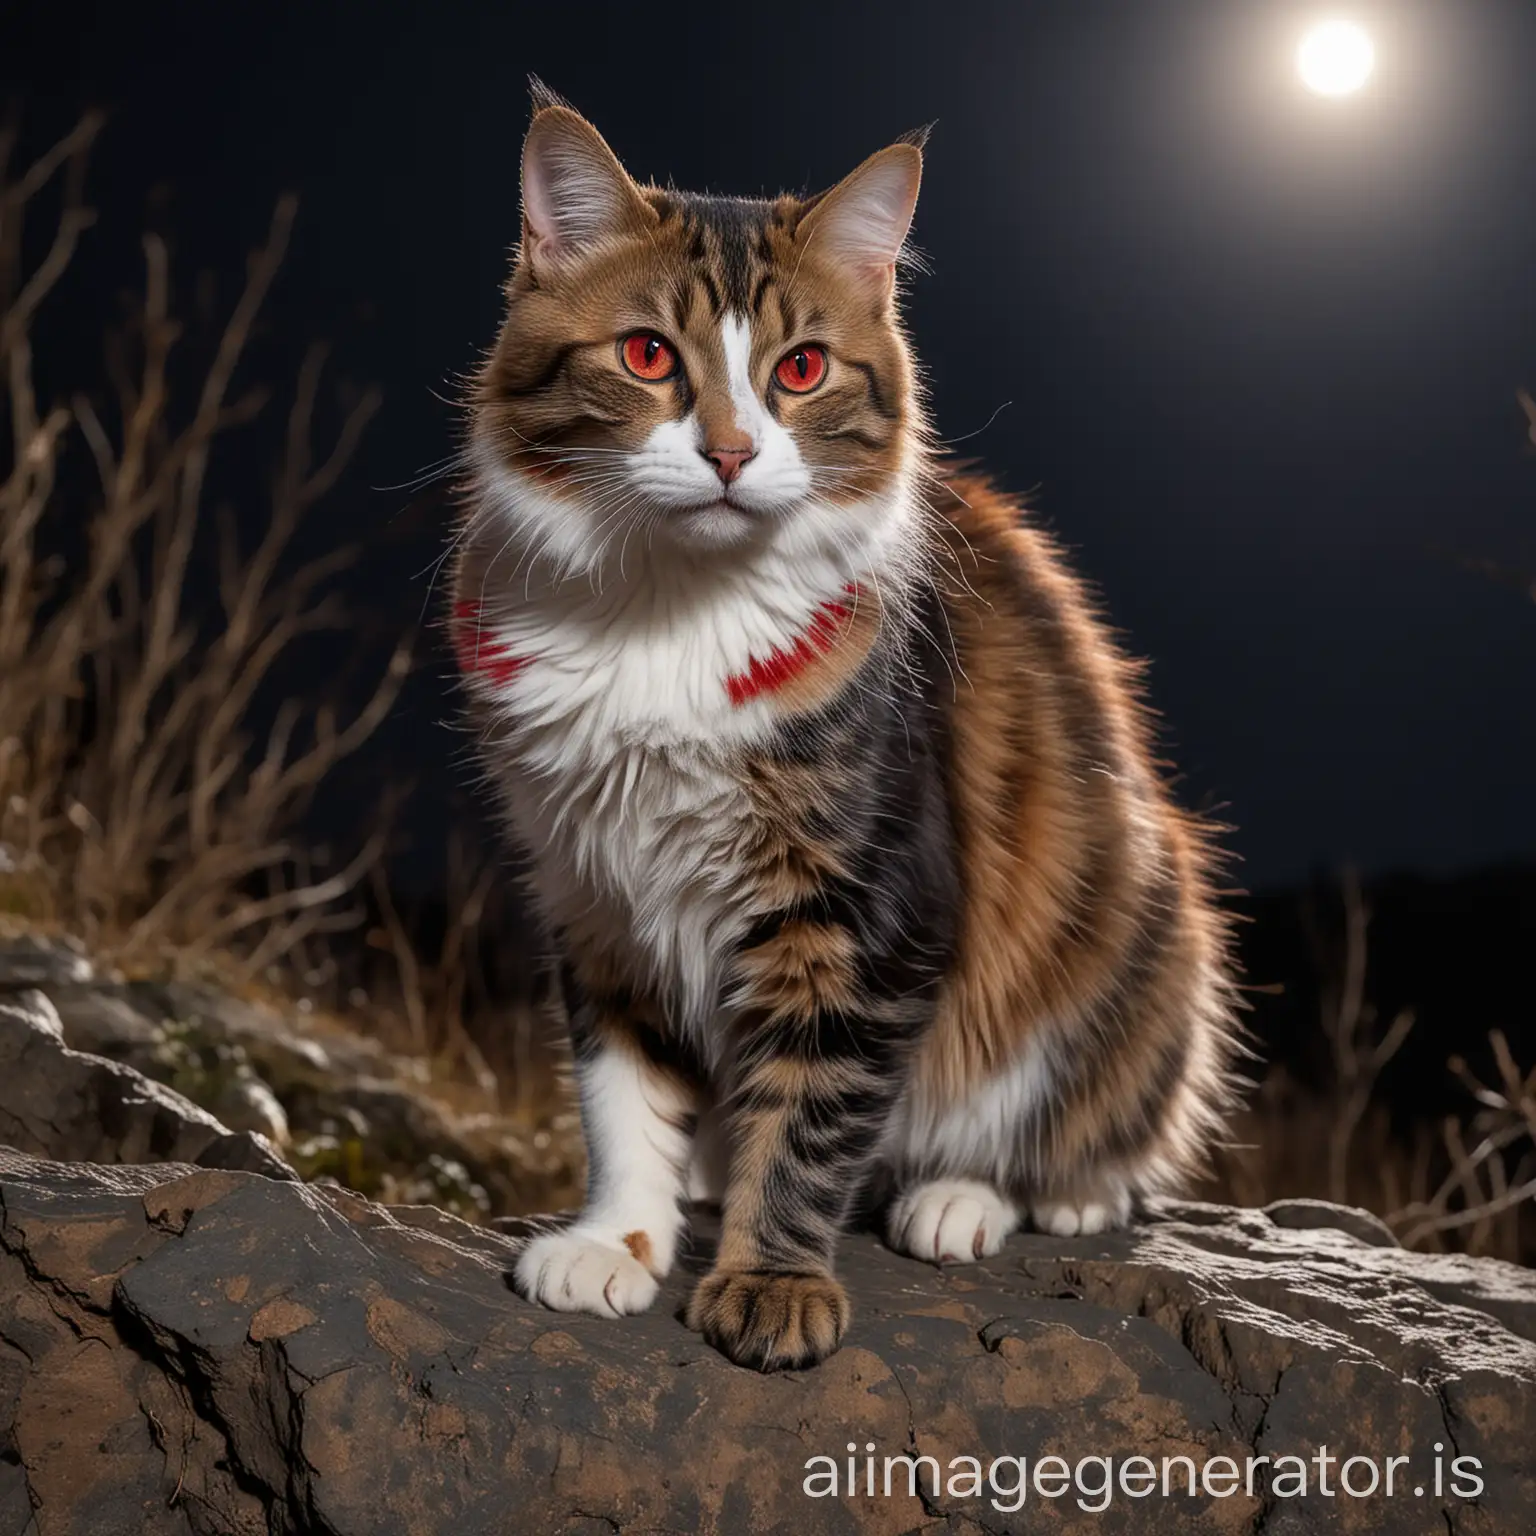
(729, 462)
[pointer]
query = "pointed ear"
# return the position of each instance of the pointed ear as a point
(863, 221)
(576, 195)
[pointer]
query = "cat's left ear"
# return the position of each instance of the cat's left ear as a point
(863, 221)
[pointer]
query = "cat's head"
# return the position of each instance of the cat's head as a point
(720, 372)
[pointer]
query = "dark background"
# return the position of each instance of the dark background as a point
(1255, 352)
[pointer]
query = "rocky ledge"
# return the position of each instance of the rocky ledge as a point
(312, 1087)
(208, 1345)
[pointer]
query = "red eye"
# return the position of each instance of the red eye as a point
(802, 370)
(648, 357)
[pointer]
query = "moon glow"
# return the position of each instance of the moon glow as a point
(1335, 58)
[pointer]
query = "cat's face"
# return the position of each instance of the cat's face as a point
(716, 372)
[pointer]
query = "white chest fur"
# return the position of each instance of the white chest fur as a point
(616, 730)
(616, 739)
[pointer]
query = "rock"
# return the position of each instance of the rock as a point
(1307, 1215)
(103, 1020)
(247, 1104)
(129, 1023)
(336, 1103)
(196, 1351)
(28, 960)
(269, 1040)
(61, 1103)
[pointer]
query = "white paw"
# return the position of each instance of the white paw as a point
(1069, 1218)
(950, 1221)
(573, 1272)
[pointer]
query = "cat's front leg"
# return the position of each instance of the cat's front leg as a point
(813, 1082)
(638, 1111)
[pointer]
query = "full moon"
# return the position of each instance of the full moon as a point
(1335, 58)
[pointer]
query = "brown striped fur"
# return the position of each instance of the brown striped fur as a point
(1072, 851)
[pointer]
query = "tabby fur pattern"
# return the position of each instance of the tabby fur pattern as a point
(836, 795)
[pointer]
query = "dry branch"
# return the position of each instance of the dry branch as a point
(1483, 1191)
(1359, 1056)
(136, 791)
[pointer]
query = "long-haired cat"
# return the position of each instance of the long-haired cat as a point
(836, 796)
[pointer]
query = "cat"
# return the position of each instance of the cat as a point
(836, 796)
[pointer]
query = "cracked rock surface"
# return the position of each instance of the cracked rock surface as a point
(200, 1350)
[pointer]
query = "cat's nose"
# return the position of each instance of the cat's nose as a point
(730, 461)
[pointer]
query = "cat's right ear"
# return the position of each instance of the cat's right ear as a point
(576, 195)
(863, 221)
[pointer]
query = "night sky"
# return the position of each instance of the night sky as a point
(1256, 353)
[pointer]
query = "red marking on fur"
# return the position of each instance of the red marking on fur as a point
(477, 652)
(768, 674)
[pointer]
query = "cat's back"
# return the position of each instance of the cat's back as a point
(1087, 914)
(1043, 686)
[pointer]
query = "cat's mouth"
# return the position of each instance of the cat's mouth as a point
(723, 503)
(722, 522)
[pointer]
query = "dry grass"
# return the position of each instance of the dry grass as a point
(137, 808)
(1489, 1192)
(1468, 1183)
(152, 783)
(438, 993)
